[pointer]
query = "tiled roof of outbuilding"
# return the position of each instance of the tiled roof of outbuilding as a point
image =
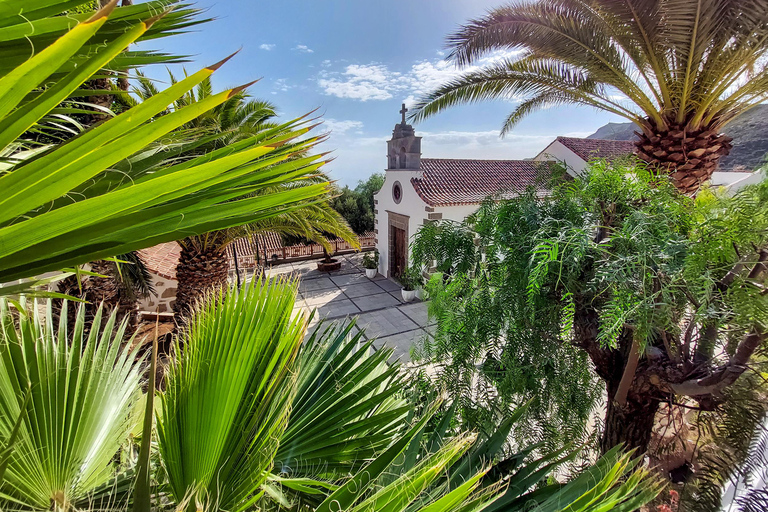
(450, 182)
(162, 259)
(589, 149)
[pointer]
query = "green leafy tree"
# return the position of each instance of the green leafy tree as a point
(662, 293)
(356, 205)
(680, 70)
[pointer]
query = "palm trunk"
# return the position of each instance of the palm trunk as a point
(107, 292)
(689, 157)
(198, 272)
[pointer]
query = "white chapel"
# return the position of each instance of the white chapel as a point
(417, 190)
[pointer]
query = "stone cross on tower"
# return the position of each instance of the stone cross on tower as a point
(404, 148)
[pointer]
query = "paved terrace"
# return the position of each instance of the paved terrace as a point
(377, 303)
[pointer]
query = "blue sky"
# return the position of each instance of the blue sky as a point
(357, 61)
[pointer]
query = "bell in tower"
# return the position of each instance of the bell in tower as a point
(404, 148)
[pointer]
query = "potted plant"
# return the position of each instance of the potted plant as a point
(421, 292)
(371, 264)
(328, 264)
(409, 281)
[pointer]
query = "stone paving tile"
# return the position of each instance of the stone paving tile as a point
(378, 301)
(388, 285)
(347, 279)
(320, 297)
(280, 269)
(360, 290)
(321, 283)
(337, 309)
(328, 323)
(401, 343)
(355, 259)
(398, 295)
(416, 311)
(384, 323)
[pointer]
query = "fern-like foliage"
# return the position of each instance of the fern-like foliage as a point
(540, 298)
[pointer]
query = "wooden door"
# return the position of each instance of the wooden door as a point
(397, 262)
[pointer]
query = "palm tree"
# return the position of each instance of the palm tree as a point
(233, 120)
(679, 69)
(203, 262)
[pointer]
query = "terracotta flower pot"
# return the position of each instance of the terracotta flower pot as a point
(328, 266)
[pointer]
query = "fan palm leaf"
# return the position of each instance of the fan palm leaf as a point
(83, 390)
(228, 395)
(346, 409)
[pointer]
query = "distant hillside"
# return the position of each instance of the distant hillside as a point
(749, 132)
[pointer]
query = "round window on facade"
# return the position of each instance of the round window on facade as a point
(397, 192)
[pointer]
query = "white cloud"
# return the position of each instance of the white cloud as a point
(368, 152)
(281, 84)
(340, 127)
(303, 48)
(360, 82)
(267, 46)
(377, 81)
(326, 63)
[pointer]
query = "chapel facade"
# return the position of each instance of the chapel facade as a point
(419, 190)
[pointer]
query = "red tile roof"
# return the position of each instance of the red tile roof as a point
(448, 182)
(589, 149)
(162, 259)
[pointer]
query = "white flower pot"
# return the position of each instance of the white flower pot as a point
(408, 295)
(421, 294)
(370, 273)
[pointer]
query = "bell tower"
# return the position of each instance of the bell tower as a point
(404, 148)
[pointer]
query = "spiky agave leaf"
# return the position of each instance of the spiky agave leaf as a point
(228, 395)
(82, 396)
(64, 208)
(28, 26)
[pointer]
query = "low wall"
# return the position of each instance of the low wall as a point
(246, 255)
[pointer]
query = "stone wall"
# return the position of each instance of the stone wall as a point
(166, 295)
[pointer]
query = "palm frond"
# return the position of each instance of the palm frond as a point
(228, 395)
(83, 393)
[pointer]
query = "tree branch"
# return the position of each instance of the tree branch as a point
(730, 277)
(726, 374)
(620, 398)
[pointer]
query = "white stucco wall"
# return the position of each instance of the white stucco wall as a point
(411, 206)
(558, 152)
(457, 213)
